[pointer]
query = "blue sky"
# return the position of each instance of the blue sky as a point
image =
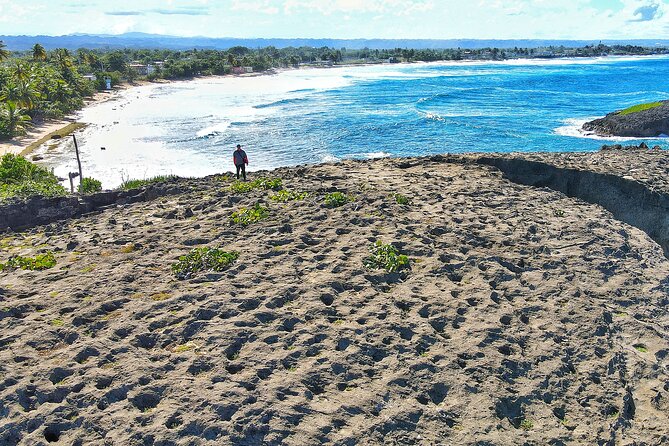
(431, 19)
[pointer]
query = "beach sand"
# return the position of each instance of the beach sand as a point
(40, 133)
(527, 317)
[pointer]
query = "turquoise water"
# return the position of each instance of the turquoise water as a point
(310, 116)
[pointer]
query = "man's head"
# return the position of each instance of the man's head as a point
(239, 146)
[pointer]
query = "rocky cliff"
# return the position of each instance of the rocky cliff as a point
(648, 123)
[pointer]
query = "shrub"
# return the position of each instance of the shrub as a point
(287, 195)
(203, 259)
(386, 257)
(336, 199)
(90, 185)
(246, 216)
(402, 199)
(268, 183)
(21, 178)
(38, 263)
(134, 184)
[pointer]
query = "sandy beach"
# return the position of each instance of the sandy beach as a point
(40, 133)
(526, 317)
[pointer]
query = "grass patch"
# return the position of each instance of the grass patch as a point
(336, 199)
(38, 263)
(21, 178)
(128, 248)
(260, 184)
(641, 348)
(188, 346)
(135, 184)
(285, 195)
(385, 256)
(203, 259)
(640, 108)
(57, 323)
(247, 216)
(159, 297)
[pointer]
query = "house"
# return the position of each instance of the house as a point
(139, 68)
(242, 70)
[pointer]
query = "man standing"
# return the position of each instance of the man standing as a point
(241, 160)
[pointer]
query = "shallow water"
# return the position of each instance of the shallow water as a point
(310, 116)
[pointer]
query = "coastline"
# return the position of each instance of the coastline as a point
(42, 132)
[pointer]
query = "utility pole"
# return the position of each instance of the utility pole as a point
(76, 149)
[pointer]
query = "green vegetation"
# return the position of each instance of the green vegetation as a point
(526, 424)
(260, 183)
(135, 184)
(402, 199)
(188, 346)
(247, 216)
(90, 185)
(336, 199)
(57, 322)
(641, 348)
(203, 259)
(21, 178)
(386, 256)
(286, 195)
(38, 86)
(38, 263)
(640, 108)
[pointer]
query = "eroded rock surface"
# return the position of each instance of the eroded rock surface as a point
(527, 317)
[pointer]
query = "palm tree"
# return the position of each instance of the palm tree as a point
(39, 53)
(15, 117)
(4, 53)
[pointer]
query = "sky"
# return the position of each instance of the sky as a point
(344, 19)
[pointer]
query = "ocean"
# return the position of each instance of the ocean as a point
(320, 115)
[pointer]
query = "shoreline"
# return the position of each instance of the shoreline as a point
(40, 133)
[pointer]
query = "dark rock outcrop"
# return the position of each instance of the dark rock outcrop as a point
(37, 210)
(649, 123)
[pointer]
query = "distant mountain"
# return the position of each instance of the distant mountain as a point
(142, 40)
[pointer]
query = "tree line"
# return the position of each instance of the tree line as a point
(39, 84)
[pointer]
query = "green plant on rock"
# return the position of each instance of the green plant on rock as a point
(38, 263)
(526, 424)
(203, 259)
(90, 185)
(402, 199)
(268, 183)
(386, 256)
(260, 184)
(336, 199)
(285, 195)
(247, 216)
